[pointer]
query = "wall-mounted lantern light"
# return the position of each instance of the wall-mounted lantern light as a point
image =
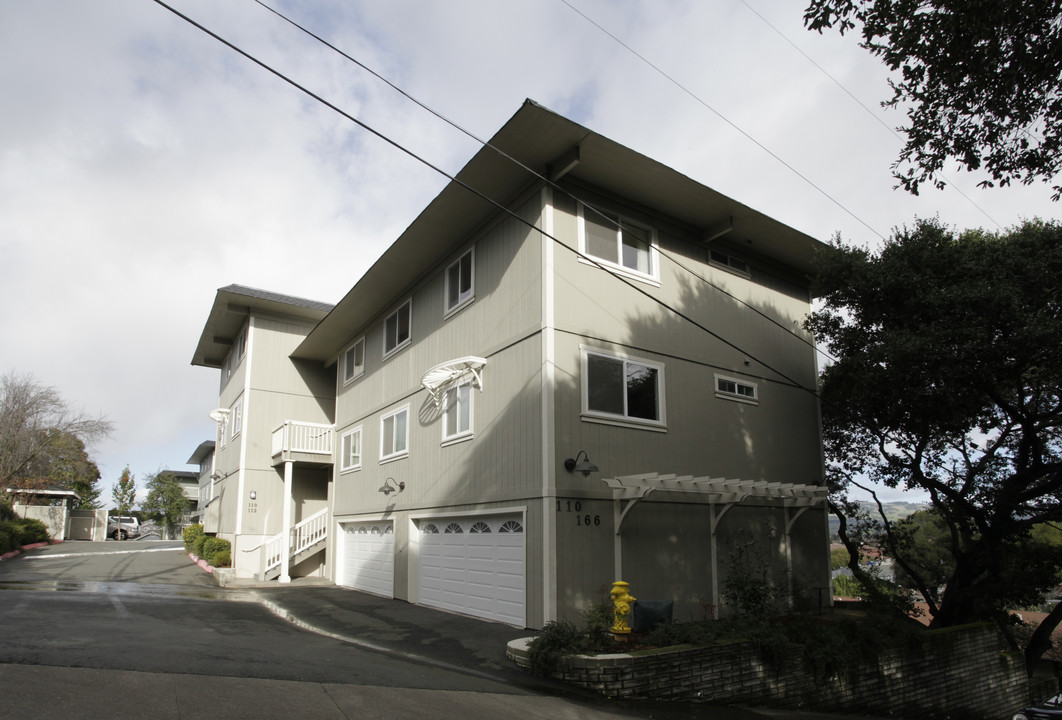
(389, 486)
(585, 467)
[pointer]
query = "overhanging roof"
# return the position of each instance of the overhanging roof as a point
(47, 491)
(233, 304)
(537, 138)
(202, 452)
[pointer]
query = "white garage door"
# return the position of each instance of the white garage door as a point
(474, 566)
(369, 557)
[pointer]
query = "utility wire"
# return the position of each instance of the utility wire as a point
(793, 383)
(722, 117)
(536, 174)
(859, 102)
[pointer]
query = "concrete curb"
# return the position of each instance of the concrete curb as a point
(201, 563)
(24, 548)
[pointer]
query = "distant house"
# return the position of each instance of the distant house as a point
(204, 458)
(588, 368)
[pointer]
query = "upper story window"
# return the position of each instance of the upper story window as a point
(236, 353)
(394, 435)
(623, 388)
(724, 260)
(350, 448)
(354, 361)
(618, 242)
(237, 417)
(457, 411)
(734, 389)
(460, 285)
(396, 328)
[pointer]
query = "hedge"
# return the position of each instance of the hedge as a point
(217, 552)
(191, 534)
(21, 531)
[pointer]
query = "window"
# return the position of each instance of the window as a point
(237, 417)
(457, 411)
(729, 262)
(236, 353)
(394, 435)
(732, 389)
(396, 328)
(623, 388)
(617, 241)
(351, 449)
(459, 284)
(354, 361)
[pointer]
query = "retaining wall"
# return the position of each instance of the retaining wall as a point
(959, 673)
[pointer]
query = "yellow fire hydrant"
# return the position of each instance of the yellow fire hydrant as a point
(623, 607)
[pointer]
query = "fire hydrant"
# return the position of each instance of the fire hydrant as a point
(623, 607)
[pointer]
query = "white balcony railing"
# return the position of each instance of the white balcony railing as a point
(311, 438)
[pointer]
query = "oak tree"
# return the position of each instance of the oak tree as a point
(947, 380)
(978, 79)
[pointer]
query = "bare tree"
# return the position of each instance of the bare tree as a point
(33, 418)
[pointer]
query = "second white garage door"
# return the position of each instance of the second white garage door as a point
(369, 557)
(474, 566)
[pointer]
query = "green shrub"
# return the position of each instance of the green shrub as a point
(197, 545)
(6, 513)
(191, 534)
(10, 537)
(33, 531)
(222, 558)
(213, 547)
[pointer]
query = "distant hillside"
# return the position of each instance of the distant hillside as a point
(893, 511)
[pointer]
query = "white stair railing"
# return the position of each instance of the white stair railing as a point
(305, 534)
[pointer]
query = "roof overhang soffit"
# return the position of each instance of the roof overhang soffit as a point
(727, 492)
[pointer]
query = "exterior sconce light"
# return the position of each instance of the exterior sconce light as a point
(585, 467)
(254, 495)
(389, 486)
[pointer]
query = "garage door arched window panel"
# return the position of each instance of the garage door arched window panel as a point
(429, 529)
(479, 527)
(511, 526)
(453, 529)
(623, 388)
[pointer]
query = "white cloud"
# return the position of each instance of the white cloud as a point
(143, 164)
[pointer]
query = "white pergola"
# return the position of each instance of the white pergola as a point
(721, 495)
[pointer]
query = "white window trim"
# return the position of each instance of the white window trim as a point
(463, 434)
(623, 420)
(361, 369)
(652, 278)
(237, 419)
(405, 343)
(343, 467)
(727, 266)
(733, 396)
(461, 303)
(385, 458)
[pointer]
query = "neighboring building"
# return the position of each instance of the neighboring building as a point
(204, 458)
(607, 379)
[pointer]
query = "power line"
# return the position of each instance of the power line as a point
(536, 174)
(860, 103)
(722, 117)
(482, 196)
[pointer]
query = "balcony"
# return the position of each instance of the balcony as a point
(301, 442)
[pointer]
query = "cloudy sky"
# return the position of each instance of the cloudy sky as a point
(143, 164)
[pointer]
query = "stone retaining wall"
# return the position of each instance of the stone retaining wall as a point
(959, 673)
